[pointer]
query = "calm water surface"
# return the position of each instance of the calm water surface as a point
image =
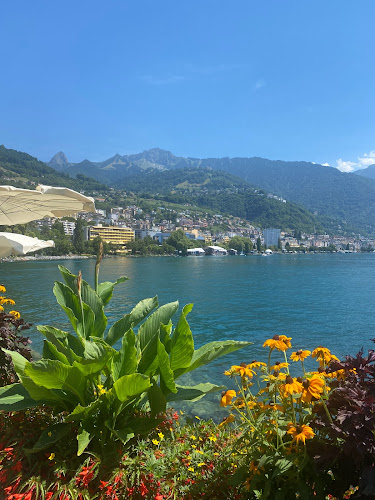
(315, 299)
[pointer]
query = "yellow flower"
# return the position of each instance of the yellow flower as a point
(201, 464)
(212, 438)
(291, 386)
(193, 438)
(278, 366)
(243, 370)
(50, 434)
(101, 390)
(161, 436)
(256, 364)
(300, 433)
(299, 355)
(339, 374)
(323, 355)
(216, 454)
(193, 446)
(1, 308)
(2, 288)
(191, 469)
(200, 452)
(51, 457)
(198, 418)
(279, 342)
(226, 397)
(312, 388)
(8, 301)
(155, 441)
(16, 314)
(227, 420)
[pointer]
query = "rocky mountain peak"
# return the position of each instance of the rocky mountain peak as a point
(59, 161)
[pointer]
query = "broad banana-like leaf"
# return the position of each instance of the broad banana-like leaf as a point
(151, 326)
(130, 386)
(50, 351)
(15, 397)
(182, 345)
(80, 412)
(49, 436)
(166, 373)
(156, 399)
(165, 336)
(194, 393)
(67, 299)
(105, 289)
(89, 297)
(124, 362)
(95, 357)
(69, 345)
(19, 362)
(211, 351)
(124, 435)
(52, 374)
(149, 362)
(138, 313)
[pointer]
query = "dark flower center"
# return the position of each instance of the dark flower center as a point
(289, 379)
(276, 337)
(299, 352)
(306, 383)
(300, 380)
(243, 365)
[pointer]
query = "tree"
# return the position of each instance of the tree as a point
(79, 237)
(259, 244)
(179, 241)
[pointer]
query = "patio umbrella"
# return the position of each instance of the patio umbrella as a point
(19, 244)
(18, 206)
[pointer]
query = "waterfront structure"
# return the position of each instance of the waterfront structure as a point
(271, 236)
(215, 250)
(112, 234)
(196, 251)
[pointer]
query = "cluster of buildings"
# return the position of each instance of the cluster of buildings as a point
(121, 225)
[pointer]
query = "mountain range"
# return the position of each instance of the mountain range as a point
(347, 199)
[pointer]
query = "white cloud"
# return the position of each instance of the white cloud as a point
(326, 164)
(362, 162)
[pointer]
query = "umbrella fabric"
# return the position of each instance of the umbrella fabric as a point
(18, 206)
(19, 244)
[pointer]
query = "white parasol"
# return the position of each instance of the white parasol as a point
(18, 206)
(19, 244)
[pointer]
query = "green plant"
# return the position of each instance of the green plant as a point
(98, 389)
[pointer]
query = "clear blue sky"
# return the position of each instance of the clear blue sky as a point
(290, 79)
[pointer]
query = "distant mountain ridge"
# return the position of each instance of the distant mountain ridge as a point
(324, 190)
(368, 172)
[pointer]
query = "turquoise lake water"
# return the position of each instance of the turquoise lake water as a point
(315, 299)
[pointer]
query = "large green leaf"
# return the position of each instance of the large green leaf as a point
(156, 399)
(130, 386)
(211, 351)
(105, 289)
(67, 299)
(125, 434)
(194, 393)
(52, 374)
(80, 412)
(138, 313)
(15, 397)
(50, 436)
(95, 357)
(149, 361)
(151, 326)
(182, 345)
(166, 373)
(124, 362)
(69, 345)
(50, 351)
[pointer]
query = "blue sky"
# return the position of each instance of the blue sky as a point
(289, 80)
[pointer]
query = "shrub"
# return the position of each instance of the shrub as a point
(11, 326)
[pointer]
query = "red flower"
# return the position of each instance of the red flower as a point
(49, 495)
(159, 497)
(103, 485)
(144, 489)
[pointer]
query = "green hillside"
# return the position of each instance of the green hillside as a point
(24, 171)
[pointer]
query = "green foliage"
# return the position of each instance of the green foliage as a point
(78, 239)
(100, 387)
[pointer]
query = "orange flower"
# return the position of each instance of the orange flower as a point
(312, 388)
(2, 288)
(256, 364)
(300, 355)
(279, 342)
(16, 314)
(227, 421)
(300, 433)
(323, 355)
(278, 366)
(291, 386)
(226, 397)
(241, 370)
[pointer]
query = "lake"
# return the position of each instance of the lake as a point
(316, 299)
